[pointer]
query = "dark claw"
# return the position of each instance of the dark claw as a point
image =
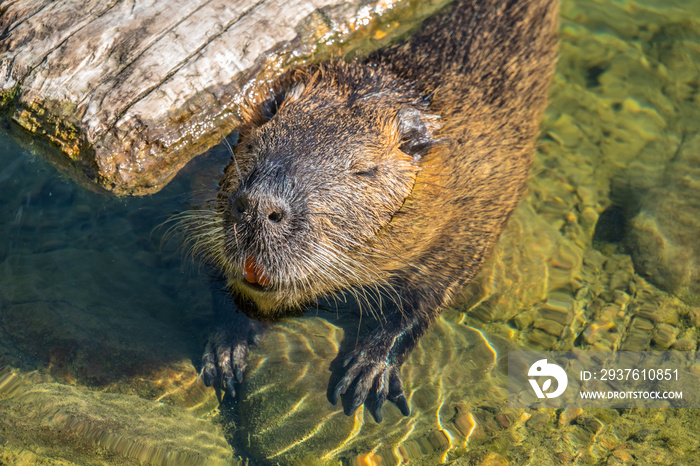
(396, 394)
(335, 396)
(381, 389)
(226, 353)
(208, 372)
(208, 377)
(402, 404)
(361, 392)
(342, 387)
(230, 389)
(371, 381)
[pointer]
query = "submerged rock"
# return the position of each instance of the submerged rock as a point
(663, 237)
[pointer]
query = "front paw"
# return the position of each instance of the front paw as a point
(370, 378)
(225, 357)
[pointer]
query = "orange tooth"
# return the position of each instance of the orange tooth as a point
(249, 270)
(263, 280)
(254, 274)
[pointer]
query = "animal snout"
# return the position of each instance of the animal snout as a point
(265, 207)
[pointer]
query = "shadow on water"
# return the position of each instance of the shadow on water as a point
(91, 289)
(98, 293)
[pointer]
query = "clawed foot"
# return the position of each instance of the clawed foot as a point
(370, 378)
(226, 354)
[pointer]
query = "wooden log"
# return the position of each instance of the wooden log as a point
(129, 91)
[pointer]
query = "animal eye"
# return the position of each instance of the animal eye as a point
(372, 171)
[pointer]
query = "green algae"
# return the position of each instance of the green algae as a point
(8, 98)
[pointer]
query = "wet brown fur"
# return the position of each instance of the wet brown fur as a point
(489, 88)
(452, 114)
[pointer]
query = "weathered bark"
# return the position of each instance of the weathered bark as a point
(130, 91)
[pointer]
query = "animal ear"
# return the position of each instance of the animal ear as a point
(417, 131)
(270, 106)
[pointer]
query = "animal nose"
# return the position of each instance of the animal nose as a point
(264, 207)
(276, 215)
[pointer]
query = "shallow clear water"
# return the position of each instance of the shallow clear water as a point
(101, 318)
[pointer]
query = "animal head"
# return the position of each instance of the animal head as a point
(324, 162)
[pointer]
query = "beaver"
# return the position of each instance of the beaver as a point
(391, 174)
